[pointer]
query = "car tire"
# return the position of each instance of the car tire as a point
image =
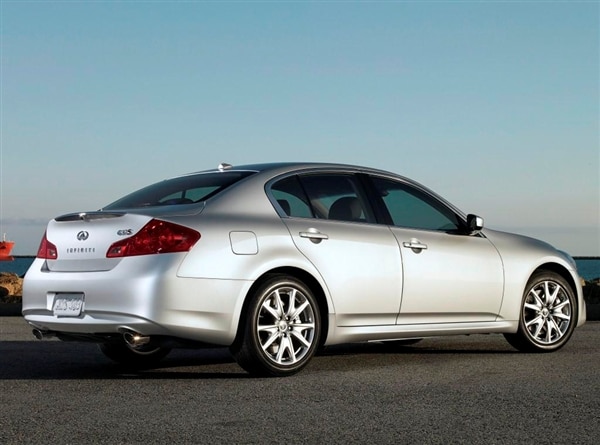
(281, 330)
(144, 356)
(548, 314)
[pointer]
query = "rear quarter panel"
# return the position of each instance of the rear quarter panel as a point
(247, 212)
(242, 209)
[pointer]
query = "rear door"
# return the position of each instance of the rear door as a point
(333, 225)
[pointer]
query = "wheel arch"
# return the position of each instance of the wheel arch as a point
(560, 270)
(543, 339)
(567, 276)
(300, 274)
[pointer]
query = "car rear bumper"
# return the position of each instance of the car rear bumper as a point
(141, 295)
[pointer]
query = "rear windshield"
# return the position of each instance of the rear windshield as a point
(183, 190)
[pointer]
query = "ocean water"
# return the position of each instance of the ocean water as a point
(18, 265)
(589, 268)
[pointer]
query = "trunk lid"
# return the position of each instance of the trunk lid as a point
(83, 239)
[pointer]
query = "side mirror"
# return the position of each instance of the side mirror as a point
(474, 224)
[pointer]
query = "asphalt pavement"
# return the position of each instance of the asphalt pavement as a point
(474, 389)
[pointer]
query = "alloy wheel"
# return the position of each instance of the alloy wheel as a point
(286, 325)
(547, 312)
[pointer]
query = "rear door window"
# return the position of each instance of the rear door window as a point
(338, 197)
(291, 198)
(325, 196)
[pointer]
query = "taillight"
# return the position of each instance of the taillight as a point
(155, 237)
(47, 250)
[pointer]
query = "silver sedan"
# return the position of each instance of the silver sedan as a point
(276, 260)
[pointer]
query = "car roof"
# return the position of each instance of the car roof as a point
(284, 167)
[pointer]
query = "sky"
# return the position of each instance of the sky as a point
(493, 105)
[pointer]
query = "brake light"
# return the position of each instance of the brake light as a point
(47, 250)
(154, 238)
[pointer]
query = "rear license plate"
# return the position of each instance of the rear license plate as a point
(68, 305)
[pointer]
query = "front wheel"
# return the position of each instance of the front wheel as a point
(547, 316)
(281, 331)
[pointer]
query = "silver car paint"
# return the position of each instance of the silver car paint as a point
(430, 292)
(360, 264)
(200, 295)
(521, 256)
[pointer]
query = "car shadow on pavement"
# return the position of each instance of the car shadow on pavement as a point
(479, 344)
(28, 360)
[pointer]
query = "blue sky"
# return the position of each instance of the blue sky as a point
(494, 105)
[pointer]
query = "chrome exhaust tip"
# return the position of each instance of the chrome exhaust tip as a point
(40, 335)
(135, 339)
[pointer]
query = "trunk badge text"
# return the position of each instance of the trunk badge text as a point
(125, 232)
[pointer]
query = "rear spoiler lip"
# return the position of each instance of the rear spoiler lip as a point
(167, 211)
(89, 216)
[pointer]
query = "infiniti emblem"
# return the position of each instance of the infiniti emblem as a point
(83, 235)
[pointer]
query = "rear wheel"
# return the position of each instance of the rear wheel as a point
(281, 330)
(136, 357)
(547, 316)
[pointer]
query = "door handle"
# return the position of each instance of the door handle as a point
(314, 235)
(415, 245)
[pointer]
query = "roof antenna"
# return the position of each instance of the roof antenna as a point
(224, 166)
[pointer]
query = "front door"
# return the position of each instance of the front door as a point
(450, 275)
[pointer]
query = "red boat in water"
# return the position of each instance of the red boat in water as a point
(5, 249)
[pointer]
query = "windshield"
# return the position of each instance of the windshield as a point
(183, 190)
